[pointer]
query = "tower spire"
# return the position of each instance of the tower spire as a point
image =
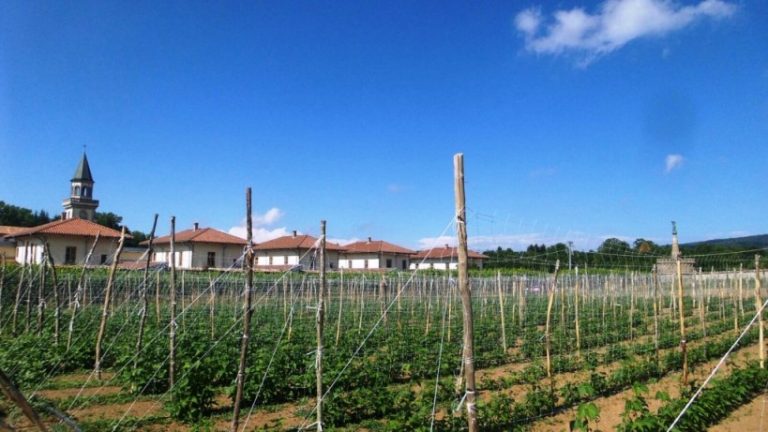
(80, 203)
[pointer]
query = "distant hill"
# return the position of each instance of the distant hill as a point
(749, 242)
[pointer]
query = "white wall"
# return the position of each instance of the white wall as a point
(58, 246)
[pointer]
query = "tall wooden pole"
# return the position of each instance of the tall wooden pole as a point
(107, 299)
(57, 305)
(547, 337)
(13, 394)
(172, 292)
(80, 291)
(466, 295)
(143, 293)
(248, 261)
(758, 306)
(576, 312)
(681, 309)
(501, 312)
(319, 320)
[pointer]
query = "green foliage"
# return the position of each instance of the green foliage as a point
(19, 216)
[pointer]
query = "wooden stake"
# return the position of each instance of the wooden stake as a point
(57, 305)
(501, 312)
(12, 393)
(681, 309)
(576, 312)
(107, 298)
(758, 307)
(172, 292)
(143, 293)
(547, 338)
(80, 291)
(319, 321)
(248, 261)
(466, 295)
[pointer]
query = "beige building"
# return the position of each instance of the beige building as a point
(68, 240)
(199, 248)
(374, 255)
(8, 244)
(444, 258)
(297, 251)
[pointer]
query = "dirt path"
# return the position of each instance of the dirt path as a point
(611, 407)
(750, 417)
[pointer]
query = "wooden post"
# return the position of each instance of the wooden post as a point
(501, 312)
(341, 305)
(107, 298)
(57, 306)
(172, 325)
(656, 305)
(319, 322)
(681, 310)
(157, 293)
(547, 338)
(17, 303)
(248, 261)
(466, 295)
(13, 394)
(143, 293)
(576, 312)
(2, 285)
(758, 307)
(41, 293)
(80, 291)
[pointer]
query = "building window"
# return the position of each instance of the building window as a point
(211, 259)
(405, 265)
(389, 262)
(70, 255)
(103, 258)
(77, 190)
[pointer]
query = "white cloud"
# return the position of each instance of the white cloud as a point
(613, 25)
(271, 216)
(261, 226)
(343, 241)
(672, 161)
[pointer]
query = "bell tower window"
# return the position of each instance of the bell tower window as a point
(77, 190)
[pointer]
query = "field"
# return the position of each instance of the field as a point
(553, 351)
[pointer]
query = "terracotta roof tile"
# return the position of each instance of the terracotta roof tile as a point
(376, 246)
(302, 241)
(10, 230)
(445, 252)
(72, 227)
(200, 235)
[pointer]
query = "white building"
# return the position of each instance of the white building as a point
(444, 258)
(374, 255)
(68, 240)
(199, 248)
(295, 251)
(70, 237)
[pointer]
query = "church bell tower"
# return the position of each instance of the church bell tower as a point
(80, 203)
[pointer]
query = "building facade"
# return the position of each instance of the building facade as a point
(199, 248)
(444, 258)
(297, 251)
(374, 255)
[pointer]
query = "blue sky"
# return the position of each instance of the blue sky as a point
(578, 120)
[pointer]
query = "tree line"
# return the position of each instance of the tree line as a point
(614, 253)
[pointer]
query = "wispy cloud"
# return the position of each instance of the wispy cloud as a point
(672, 161)
(614, 24)
(261, 226)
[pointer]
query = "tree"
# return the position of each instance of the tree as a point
(644, 246)
(109, 219)
(20, 216)
(613, 246)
